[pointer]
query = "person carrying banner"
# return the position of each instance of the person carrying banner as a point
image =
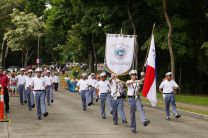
(116, 99)
(103, 88)
(135, 101)
(167, 88)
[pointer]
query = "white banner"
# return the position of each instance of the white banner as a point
(119, 53)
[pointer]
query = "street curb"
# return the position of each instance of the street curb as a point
(183, 112)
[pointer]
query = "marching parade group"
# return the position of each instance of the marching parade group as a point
(112, 91)
(36, 89)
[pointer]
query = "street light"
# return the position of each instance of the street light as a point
(100, 24)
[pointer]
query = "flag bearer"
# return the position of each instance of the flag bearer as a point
(135, 101)
(48, 84)
(92, 83)
(103, 88)
(167, 88)
(83, 89)
(39, 88)
(21, 85)
(117, 100)
(29, 89)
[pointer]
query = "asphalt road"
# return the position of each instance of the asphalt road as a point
(67, 120)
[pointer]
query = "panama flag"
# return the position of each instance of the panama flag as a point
(149, 88)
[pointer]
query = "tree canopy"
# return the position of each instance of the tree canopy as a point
(71, 32)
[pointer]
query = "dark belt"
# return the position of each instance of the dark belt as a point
(131, 96)
(168, 93)
(39, 90)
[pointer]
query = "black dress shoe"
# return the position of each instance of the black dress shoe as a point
(51, 101)
(39, 117)
(89, 104)
(177, 116)
(33, 106)
(111, 112)
(45, 114)
(115, 123)
(133, 131)
(168, 118)
(25, 102)
(146, 122)
(124, 121)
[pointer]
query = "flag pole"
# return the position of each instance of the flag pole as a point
(153, 28)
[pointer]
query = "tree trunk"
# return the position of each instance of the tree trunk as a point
(180, 76)
(134, 33)
(169, 38)
(95, 55)
(2, 53)
(5, 55)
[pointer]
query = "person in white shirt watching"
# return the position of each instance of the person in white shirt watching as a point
(167, 88)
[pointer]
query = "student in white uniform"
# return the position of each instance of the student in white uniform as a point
(21, 85)
(167, 88)
(48, 84)
(39, 88)
(103, 88)
(56, 81)
(117, 100)
(92, 83)
(29, 89)
(82, 86)
(135, 101)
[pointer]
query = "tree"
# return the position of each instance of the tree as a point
(23, 37)
(169, 38)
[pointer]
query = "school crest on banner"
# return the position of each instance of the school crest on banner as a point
(119, 53)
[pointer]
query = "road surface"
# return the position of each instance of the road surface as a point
(67, 120)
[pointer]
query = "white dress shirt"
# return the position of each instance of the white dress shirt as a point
(133, 89)
(92, 82)
(48, 80)
(28, 81)
(21, 79)
(56, 79)
(168, 86)
(38, 83)
(103, 86)
(82, 84)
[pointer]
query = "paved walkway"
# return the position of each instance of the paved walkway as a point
(67, 120)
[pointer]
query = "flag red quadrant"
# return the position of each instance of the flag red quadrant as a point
(149, 88)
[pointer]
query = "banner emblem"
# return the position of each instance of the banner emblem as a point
(119, 53)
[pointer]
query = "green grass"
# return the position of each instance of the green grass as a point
(200, 103)
(188, 99)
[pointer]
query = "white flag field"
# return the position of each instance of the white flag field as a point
(149, 87)
(119, 53)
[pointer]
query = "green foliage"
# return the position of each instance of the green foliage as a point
(26, 27)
